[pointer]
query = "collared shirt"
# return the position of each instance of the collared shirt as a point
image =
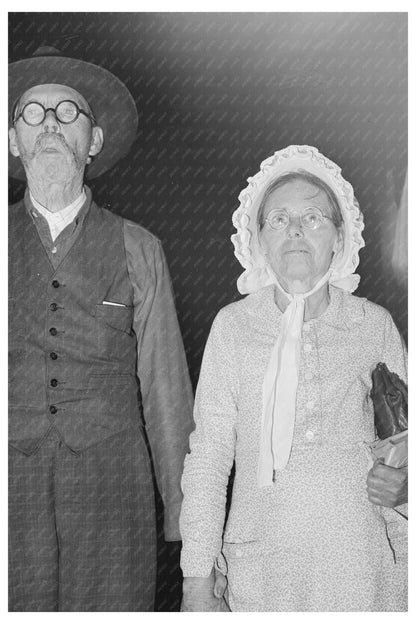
(58, 248)
(58, 221)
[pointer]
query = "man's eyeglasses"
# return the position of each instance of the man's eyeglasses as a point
(311, 218)
(66, 112)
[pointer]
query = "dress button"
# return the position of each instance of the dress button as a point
(310, 404)
(53, 355)
(53, 409)
(308, 375)
(53, 307)
(54, 383)
(55, 284)
(53, 331)
(309, 435)
(307, 348)
(54, 250)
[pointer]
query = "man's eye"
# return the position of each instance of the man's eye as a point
(32, 111)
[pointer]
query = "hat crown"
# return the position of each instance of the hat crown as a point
(47, 51)
(112, 103)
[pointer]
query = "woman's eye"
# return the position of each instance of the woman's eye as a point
(278, 219)
(311, 218)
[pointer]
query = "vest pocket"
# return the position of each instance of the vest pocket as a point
(117, 317)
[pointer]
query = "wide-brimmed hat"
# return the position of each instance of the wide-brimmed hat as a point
(111, 102)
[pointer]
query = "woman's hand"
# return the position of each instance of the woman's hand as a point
(387, 486)
(204, 594)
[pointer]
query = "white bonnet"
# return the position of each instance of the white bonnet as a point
(247, 249)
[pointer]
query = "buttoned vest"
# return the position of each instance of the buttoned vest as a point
(72, 358)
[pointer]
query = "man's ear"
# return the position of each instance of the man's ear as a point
(13, 142)
(97, 140)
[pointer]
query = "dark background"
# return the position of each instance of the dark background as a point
(217, 93)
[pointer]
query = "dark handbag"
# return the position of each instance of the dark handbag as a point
(389, 396)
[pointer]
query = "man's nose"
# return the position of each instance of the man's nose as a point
(50, 123)
(294, 228)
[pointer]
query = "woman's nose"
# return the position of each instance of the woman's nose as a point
(294, 228)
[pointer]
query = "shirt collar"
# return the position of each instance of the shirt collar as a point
(67, 214)
(343, 310)
(82, 213)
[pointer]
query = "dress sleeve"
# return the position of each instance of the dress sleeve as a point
(161, 368)
(208, 466)
(394, 349)
(395, 356)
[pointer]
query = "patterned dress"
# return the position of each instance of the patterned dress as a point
(312, 541)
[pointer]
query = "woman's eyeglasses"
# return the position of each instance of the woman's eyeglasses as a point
(310, 218)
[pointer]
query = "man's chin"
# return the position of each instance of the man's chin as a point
(48, 165)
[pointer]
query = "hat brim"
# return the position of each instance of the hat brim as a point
(110, 100)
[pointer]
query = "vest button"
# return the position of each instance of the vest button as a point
(55, 284)
(53, 307)
(53, 331)
(54, 383)
(53, 355)
(53, 409)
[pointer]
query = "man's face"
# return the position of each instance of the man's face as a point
(52, 149)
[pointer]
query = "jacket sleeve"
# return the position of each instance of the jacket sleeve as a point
(208, 466)
(161, 368)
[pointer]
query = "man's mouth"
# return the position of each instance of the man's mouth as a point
(50, 143)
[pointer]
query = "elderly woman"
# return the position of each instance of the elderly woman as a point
(284, 392)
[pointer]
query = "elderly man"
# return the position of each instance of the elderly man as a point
(96, 357)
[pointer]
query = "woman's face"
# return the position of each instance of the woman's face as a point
(299, 256)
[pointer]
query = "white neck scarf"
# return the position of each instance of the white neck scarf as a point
(280, 386)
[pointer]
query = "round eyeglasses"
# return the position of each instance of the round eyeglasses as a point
(311, 218)
(66, 112)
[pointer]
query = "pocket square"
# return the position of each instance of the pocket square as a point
(120, 305)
